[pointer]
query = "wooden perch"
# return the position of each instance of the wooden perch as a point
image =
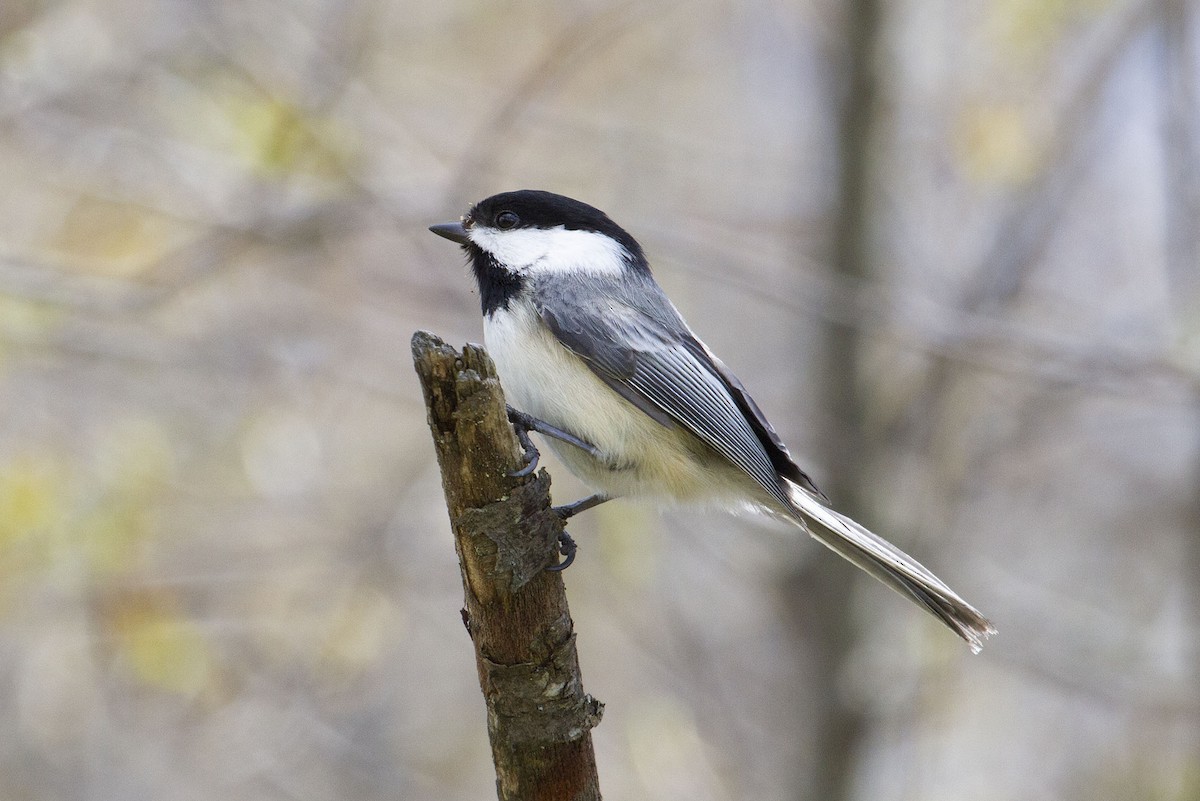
(539, 719)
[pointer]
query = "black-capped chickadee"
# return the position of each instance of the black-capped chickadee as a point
(586, 341)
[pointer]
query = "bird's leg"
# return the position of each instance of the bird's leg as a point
(524, 423)
(566, 545)
(582, 505)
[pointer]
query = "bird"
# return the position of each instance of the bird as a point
(592, 353)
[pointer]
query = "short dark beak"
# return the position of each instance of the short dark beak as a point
(453, 231)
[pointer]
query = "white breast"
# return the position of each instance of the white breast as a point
(642, 456)
(543, 378)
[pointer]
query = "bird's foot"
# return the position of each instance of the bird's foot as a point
(566, 547)
(524, 423)
(531, 454)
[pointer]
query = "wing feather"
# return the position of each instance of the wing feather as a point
(665, 374)
(670, 375)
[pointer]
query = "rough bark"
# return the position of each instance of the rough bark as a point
(538, 716)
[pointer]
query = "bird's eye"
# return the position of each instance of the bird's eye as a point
(506, 220)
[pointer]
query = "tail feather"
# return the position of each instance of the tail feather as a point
(893, 567)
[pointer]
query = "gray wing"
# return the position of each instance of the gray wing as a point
(658, 366)
(641, 348)
(771, 442)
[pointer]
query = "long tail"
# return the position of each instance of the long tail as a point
(893, 567)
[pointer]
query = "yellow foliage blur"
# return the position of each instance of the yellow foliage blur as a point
(30, 500)
(21, 319)
(357, 631)
(160, 646)
(75, 525)
(995, 145)
(115, 239)
(1034, 26)
(270, 134)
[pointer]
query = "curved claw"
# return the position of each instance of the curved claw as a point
(566, 547)
(531, 454)
(529, 467)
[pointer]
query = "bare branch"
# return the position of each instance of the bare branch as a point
(538, 716)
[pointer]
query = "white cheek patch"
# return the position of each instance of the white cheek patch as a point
(547, 251)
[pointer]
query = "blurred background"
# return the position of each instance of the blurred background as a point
(952, 247)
